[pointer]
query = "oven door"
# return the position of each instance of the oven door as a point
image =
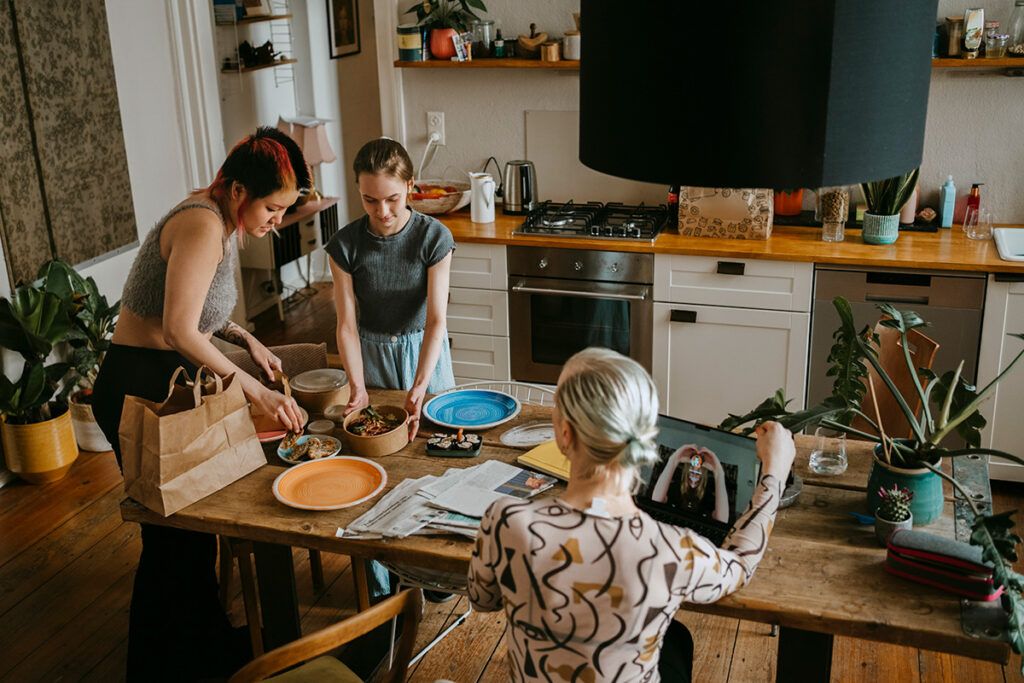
(550, 320)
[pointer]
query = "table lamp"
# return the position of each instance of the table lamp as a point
(310, 134)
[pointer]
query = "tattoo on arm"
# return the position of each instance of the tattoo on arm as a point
(233, 333)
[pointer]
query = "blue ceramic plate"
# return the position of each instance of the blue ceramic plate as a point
(471, 409)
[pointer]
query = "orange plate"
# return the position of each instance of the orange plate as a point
(330, 484)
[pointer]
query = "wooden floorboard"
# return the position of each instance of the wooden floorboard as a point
(67, 563)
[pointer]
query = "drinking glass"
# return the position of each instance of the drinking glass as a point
(970, 218)
(980, 227)
(829, 453)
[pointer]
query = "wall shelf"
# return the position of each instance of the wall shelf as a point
(979, 63)
(247, 69)
(254, 20)
(485, 63)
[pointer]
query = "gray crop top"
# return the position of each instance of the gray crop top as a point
(144, 289)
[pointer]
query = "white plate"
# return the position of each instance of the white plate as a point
(529, 435)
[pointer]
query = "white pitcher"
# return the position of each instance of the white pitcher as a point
(481, 197)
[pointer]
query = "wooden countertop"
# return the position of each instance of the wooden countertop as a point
(944, 250)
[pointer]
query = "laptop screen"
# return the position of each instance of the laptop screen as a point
(704, 475)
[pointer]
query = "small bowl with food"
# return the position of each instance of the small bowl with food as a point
(376, 431)
(439, 196)
(295, 449)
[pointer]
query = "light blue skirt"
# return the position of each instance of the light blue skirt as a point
(390, 360)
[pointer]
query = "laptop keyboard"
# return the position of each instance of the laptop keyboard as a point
(713, 533)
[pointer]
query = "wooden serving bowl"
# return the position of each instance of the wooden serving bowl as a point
(382, 444)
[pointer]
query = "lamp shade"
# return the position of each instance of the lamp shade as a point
(315, 146)
(795, 93)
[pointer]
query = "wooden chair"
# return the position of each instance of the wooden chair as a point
(295, 359)
(890, 357)
(324, 668)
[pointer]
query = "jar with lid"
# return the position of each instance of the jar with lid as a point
(1015, 29)
(483, 37)
(995, 45)
(991, 29)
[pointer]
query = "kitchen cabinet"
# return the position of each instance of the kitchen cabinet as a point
(478, 313)
(710, 361)
(729, 333)
(1004, 315)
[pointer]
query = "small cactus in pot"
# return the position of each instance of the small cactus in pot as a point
(893, 512)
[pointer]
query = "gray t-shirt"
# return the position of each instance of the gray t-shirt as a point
(389, 274)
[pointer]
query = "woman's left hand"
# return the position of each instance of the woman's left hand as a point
(414, 405)
(262, 356)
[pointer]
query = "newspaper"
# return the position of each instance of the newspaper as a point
(451, 503)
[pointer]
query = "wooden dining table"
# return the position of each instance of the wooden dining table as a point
(822, 574)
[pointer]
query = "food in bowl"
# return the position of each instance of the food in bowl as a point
(309, 447)
(426, 191)
(370, 422)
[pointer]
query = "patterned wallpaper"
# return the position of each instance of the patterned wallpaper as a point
(84, 208)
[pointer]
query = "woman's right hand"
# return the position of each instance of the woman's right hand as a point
(775, 448)
(283, 408)
(357, 400)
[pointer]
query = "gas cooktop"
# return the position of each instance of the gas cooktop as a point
(595, 220)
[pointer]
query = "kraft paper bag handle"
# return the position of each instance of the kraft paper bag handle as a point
(173, 381)
(197, 385)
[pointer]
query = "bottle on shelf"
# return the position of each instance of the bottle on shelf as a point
(498, 47)
(673, 207)
(974, 198)
(947, 201)
(1015, 29)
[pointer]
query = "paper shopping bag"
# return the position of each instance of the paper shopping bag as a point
(195, 442)
(726, 212)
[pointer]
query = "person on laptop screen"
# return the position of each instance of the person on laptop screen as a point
(589, 582)
(694, 480)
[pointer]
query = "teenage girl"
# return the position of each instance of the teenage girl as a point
(390, 270)
(178, 294)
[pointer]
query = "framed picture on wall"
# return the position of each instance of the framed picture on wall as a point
(343, 27)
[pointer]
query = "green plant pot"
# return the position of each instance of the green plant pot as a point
(880, 229)
(926, 507)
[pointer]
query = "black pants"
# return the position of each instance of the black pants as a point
(676, 662)
(177, 630)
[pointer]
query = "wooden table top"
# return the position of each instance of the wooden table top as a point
(942, 250)
(822, 571)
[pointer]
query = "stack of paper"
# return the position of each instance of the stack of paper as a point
(548, 459)
(451, 503)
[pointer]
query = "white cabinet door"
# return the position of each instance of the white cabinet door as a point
(476, 357)
(479, 266)
(744, 283)
(478, 311)
(1004, 315)
(710, 361)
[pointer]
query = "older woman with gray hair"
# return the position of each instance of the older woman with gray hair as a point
(589, 583)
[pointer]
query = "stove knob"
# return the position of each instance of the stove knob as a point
(543, 263)
(614, 267)
(577, 266)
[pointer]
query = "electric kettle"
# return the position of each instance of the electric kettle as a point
(520, 187)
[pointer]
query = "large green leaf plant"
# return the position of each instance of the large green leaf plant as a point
(949, 404)
(456, 14)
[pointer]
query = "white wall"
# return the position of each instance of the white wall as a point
(973, 129)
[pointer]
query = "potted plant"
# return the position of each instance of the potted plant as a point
(789, 202)
(885, 198)
(445, 19)
(949, 405)
(893, 513)
(38, 439)
(94, 320)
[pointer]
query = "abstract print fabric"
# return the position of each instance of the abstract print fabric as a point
(589, 598)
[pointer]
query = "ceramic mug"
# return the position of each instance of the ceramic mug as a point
(481, 197)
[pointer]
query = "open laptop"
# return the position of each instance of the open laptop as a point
(704, 480)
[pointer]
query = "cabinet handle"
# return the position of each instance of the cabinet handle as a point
(680, 316)
(451, 344)
(896, 299)
(1009, 277)
(731, 267)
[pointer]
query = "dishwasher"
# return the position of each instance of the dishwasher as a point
(951, 302)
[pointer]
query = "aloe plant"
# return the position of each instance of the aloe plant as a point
(949, 403)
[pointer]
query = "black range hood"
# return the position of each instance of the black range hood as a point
(797, 93)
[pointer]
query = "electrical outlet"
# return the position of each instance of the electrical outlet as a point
(435, 124)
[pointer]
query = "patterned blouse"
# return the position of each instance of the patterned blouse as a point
(588, 598)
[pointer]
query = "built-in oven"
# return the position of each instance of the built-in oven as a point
(564, 300)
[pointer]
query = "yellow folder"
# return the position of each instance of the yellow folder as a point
(548, 459)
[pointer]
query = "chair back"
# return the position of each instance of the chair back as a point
(408, 603)
(295, 358)
(890, 357)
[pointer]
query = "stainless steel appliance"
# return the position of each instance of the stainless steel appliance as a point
(520, 187)
(951, 302)
(563, 300)
(613, 221)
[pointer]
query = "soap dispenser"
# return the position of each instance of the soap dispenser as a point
(947, 201)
